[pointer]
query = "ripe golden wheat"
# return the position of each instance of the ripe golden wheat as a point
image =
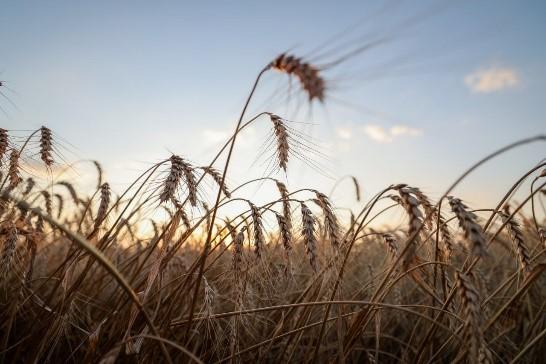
(97, 277)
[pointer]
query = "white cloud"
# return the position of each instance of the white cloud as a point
(378, 133)
(492, 79)
(399, 130)
(344, 133)
(382, 135)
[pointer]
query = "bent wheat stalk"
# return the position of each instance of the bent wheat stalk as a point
(101, 259)
(203, 256)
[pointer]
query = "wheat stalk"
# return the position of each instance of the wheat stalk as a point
(39, 227)
(473, 232)
(32, 240)
(237, 266)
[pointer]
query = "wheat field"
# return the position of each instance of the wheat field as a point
(84, 281)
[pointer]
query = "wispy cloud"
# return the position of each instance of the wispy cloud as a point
(492, 79)
(401, 130)
(382, 135)
(378, 133)
(344, 133)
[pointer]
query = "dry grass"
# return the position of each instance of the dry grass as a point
(80, 281)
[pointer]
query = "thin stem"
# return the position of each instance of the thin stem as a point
(101, 258)
(218, 196)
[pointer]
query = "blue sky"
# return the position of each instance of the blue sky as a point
(128, 82)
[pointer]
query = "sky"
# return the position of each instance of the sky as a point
(129, 82)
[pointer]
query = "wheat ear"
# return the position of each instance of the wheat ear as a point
(4, 144)
(8, 252)
(516, 234)
(257, 230)
(390, 242)
(14, 169)
(281, 134)
(48, 203)
(46, 146)
(105, 195)
(473, 232)
(29, 187)
(285, 235)
(307, 74)
(471, 314)
(308, 234)
(330, 220)
(217, 177)
(411, 205)
(286, 211)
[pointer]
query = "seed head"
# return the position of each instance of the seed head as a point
(46, 146)
(307, 74)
